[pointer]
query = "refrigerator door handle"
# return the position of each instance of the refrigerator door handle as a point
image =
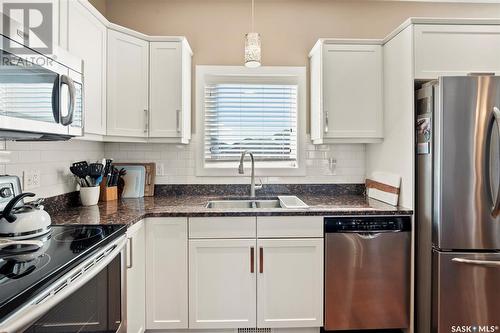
(487, 263)
(496, 200)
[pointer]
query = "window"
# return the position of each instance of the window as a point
(260, 118)
(255, 110)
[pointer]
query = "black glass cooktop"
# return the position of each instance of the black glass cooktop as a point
(24, 273)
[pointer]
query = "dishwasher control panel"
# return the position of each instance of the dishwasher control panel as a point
(367, 224)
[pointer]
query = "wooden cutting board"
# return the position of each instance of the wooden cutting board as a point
(149, 184)
(384, 187)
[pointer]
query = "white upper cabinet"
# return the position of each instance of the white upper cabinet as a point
(170, 91)
(346, 93)
(127, 83)
(87, 40)
(456, 50)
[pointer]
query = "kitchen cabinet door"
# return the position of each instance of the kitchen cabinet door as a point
(170, 91)
(127, 85)
(136, 278)
(165, 93)
(222, 283)
(456, 50)
(290, 283)
(87, 40)
(166, 273)
(352, 83)
(346, 93)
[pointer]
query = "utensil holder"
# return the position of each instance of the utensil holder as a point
(89, 195)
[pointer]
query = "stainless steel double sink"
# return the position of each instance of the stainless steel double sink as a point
(287, 202)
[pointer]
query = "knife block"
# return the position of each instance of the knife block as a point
(108, 193)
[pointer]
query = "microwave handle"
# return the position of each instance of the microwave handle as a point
(68, 120)
(55, 100)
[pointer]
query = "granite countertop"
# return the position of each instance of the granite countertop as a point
(130, 211)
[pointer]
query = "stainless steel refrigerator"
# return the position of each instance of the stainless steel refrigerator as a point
(458, 205)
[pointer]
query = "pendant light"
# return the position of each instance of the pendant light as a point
(252, 45)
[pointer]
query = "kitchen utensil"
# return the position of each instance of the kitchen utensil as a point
(4, 242)
(134, 179)
(81, 170)
(108, 169)
(96, 170)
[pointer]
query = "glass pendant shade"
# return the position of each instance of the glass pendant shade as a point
(252, 49)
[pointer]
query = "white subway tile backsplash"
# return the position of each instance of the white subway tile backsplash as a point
(179, 162)
(52, 159)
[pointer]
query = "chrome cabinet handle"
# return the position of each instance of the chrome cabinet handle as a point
(487, 263)
(178, 120)
(252, 259)
(146, 113)
(130, 243)
(261, 260)
(326, 121)
(496, 202)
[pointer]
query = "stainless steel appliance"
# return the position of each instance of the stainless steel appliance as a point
(41, 95)
(17, 219)
(458, 204)
(367, 272)
(73, 283)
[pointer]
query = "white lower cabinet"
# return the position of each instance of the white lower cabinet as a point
(248, 282)
(238, 282)
(290, 283)
(136, 273)
(166, 273)
(222, 283)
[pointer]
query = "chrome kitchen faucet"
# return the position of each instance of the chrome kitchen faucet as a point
(241, 171)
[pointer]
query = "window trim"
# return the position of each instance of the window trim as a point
(206, 73)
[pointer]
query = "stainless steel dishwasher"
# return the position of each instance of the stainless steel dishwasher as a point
(367, 272)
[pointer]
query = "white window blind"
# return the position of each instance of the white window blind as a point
(260, 118)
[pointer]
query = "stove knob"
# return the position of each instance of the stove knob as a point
(5, 192)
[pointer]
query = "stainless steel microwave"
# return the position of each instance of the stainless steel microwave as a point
(41, 96)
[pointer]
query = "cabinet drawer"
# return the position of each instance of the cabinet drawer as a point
(289, 226)
(456, 50)
(222, 227)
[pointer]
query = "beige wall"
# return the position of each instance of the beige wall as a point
(100, 5)
(289, 28)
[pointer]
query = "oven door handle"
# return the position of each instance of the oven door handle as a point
(22, 319)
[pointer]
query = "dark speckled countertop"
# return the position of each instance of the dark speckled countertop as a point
(164, 204)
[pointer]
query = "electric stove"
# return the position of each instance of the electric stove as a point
(25, 272)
